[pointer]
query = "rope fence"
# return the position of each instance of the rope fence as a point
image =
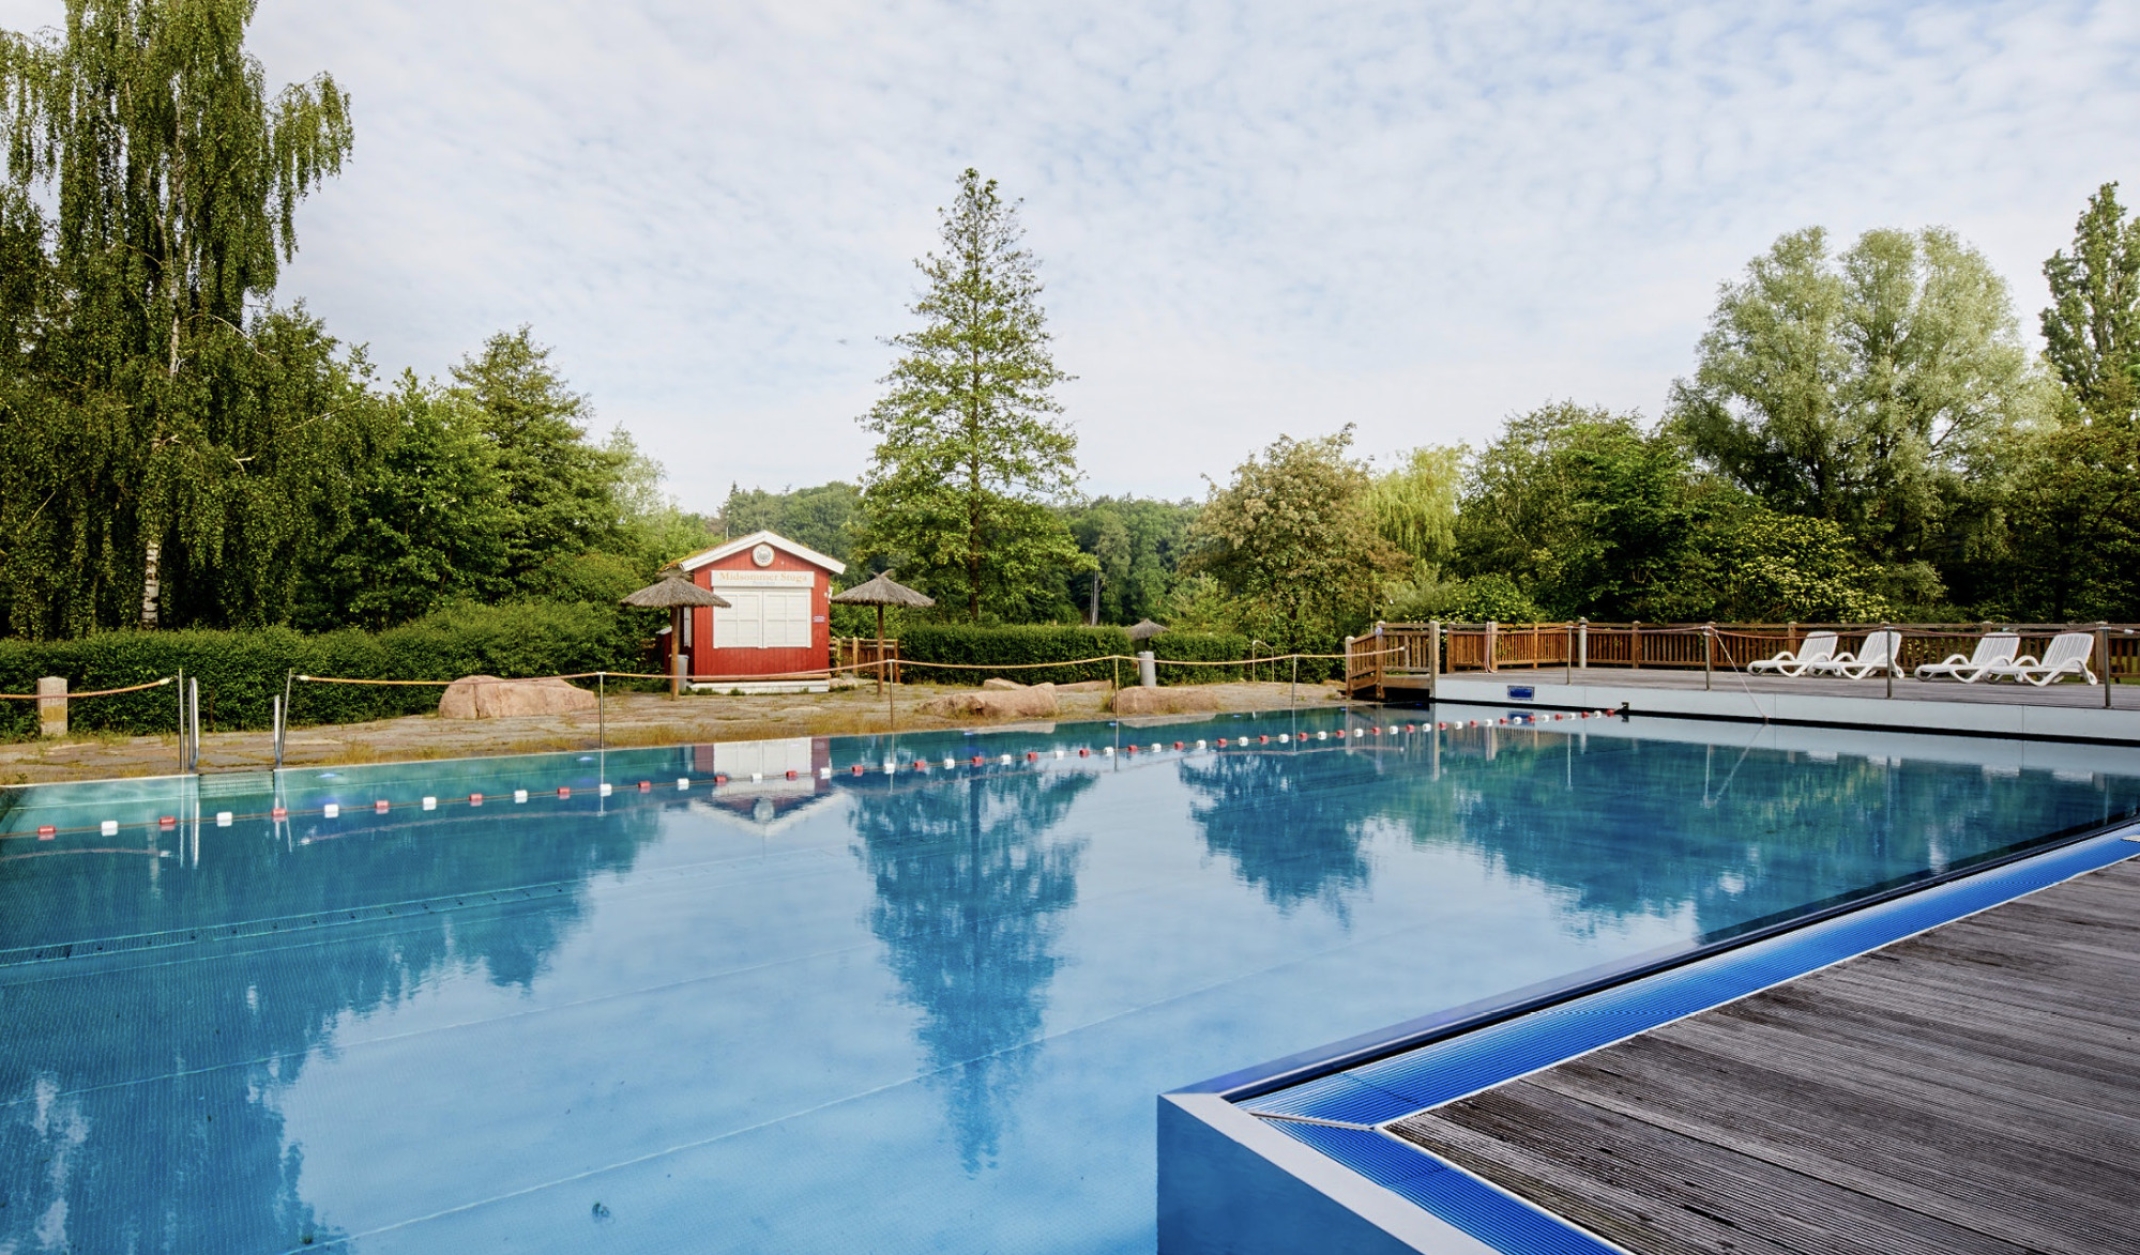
(131, 688)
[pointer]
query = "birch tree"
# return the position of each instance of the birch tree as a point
(171, 176)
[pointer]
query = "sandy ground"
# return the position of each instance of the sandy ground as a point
(630, 720)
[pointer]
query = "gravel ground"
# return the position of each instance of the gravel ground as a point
(631, 720)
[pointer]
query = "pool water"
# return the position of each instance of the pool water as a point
(921, 1010)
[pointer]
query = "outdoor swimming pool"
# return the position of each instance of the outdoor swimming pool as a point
(916, 1011)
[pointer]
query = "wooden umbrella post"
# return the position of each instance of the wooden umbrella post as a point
(880, 649)
(676, 633)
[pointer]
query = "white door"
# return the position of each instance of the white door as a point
(762, 618)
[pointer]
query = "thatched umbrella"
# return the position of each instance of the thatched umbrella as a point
(673, 593)
(880, 592)
(1146, 630)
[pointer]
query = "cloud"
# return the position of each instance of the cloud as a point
(1252, 219)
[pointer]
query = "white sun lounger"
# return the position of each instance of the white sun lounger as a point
(2066, 655)
(1875, 655)
(1817, 648)
(1994, 649)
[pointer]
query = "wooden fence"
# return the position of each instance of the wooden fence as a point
(1411, 650)
(862, 651)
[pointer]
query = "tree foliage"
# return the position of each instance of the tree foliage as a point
(1137, 545)
(1293, 540)
(166, 407)
(1861, 388)
(823, 517)
(970, 452)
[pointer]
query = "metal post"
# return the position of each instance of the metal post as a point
(1493, 632)
(275, 705)
(2102, 650)
(1568, 655)
(193, 698)
(1434, 658)
(1582, 642)
(182, 721)
(1894, 655)
(1292, 695)
(1708, 652)
(601, 711)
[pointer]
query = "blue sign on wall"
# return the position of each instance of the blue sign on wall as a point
(1519, 692)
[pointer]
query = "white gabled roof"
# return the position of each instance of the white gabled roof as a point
(743, 543)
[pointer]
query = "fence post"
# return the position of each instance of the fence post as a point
(1493, 637)
(52, 705)
(1582, 641)
(1634, 648)
(1708, 653)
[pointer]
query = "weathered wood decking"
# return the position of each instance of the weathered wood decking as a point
(1975, 1089)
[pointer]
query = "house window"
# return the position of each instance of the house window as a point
(762, 618)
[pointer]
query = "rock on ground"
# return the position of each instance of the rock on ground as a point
(1037, 702)
(1173, 701)
(997, 684)
(488, 697)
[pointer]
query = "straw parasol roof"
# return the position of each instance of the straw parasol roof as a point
(1146, 630)
(669, 593)
(881, 591)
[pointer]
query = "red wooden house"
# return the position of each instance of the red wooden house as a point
(777, 617)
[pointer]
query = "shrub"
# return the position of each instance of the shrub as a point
(1180, 647)
(996, 651)
(239, 671)
(1009, 652)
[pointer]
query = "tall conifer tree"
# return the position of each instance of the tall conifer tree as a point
(970, 451)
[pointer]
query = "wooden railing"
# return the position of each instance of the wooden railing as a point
(1421, 649)
(862, 651)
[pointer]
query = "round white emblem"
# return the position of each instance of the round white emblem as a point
(762, 555)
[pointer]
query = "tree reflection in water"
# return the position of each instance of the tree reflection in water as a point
(139, 1092)
(969, 890)
(1292, 824)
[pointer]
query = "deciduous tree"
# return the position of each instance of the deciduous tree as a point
(1293, 539)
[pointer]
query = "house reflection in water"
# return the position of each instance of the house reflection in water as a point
(759, 793)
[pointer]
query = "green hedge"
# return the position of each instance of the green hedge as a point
(1010, 648)
(990, 648)
(240, 670)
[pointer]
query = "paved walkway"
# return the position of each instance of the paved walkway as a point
(634, 719)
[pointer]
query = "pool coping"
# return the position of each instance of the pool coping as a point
(1310, 1165)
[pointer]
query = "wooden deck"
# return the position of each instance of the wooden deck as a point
(1974, 1089)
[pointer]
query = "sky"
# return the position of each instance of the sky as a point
(1252, 219)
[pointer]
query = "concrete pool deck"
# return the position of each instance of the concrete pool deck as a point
(2056, 712)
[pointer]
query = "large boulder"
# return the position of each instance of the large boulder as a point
(1173, 701)
(1037, 702)
(997, 684)
(488, 697)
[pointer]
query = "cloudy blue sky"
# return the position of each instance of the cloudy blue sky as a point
(1252, 218)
